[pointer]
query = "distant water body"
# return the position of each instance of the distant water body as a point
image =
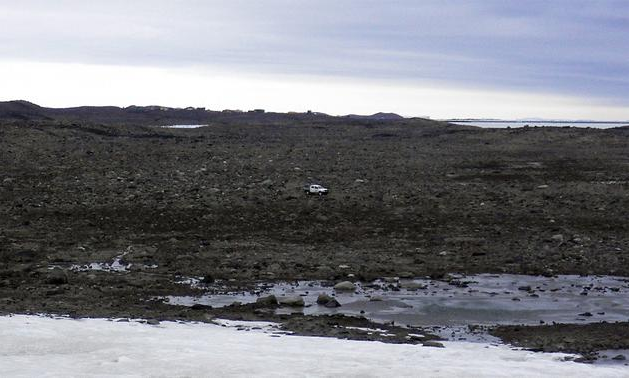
(512, 124)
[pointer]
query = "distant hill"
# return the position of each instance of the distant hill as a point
(143, 115)
(160, 115)
(376, 116)
(21, 110)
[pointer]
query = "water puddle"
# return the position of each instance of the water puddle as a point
(483, 299)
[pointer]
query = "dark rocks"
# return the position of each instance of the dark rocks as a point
(295, 301)
(585, 314)
(557, 238)
(322, 299)
(327, 301)
(619, 357)
(525, 288)
(437, 275)
(56, 276)
(433, 344)
(410, 285)
(199, 307)
(207, 279)
(268, 301)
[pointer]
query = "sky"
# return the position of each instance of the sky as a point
(555, 59)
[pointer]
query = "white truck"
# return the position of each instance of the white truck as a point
(315, 189)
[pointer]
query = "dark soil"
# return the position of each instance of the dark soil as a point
(407, 197)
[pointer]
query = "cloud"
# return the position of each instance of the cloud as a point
(569, 48)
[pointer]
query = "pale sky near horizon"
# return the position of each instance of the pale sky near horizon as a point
(560, 59)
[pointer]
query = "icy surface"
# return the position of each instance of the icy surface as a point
(38, 346)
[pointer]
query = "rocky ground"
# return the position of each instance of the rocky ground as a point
(583, 339)
(407, 198)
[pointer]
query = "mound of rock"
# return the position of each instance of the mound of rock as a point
(345, 286)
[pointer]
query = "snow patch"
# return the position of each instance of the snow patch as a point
(40, 346)
(115, 266)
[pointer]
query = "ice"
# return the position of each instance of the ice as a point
(36, 346)
(183, 126)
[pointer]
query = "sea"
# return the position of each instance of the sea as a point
(512, 124)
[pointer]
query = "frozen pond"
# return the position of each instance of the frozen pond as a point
(183, 126)
(483, 299)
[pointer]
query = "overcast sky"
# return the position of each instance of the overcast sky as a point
(466, 58)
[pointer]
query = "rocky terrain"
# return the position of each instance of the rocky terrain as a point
(573, 338)
(408, 198)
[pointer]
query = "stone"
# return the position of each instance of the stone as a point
(619, 357)
(433, 344)
(345, 286)
(322, 299)
(296, 301)
(267, 301)
(558, 238)
(57, 276)
(585, 314)
(153, 321)
(207, 279)
(410, 285)
(199, 306)
(525, 288)
(376, 298)
(332, 303)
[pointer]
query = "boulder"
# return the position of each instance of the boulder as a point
(322, 299)
(433, 344)
(558, 238)
(332, 303)
(345, 286)
(200, 307)
(410, 285)
(296, 301)
(267, 301)
(56, 276)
